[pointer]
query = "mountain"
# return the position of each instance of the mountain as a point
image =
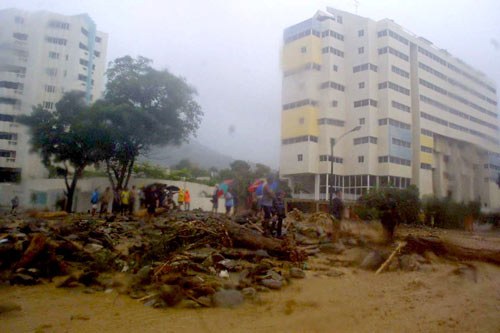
(197, 153)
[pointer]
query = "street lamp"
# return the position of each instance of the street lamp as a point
(333, 141)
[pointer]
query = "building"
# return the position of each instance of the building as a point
(42, 56)
(426, 117)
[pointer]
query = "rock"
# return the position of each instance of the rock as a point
(297, 273)
(205, 300)
(188, 304)
(23, 279)
(336, 248)
(259, 254)
(408, 263)
(372, 261)
(273, 275)
(93, 248)
(227, 264)
(272, 284)
(334, 273)
(208, 262)
(88, 278)
(34, 272)
(228, 298)
(9, 307)
(249, 292)
(171, 294)
(216, 257)
(468, 272)
(143, 273)
(430, 256)
(69, 282)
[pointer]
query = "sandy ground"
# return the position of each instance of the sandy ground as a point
(358, 301)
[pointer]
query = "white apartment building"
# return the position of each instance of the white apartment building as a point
(42, 56)
(426, 117)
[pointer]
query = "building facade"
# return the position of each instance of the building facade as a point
(425, 117)
(42, 56)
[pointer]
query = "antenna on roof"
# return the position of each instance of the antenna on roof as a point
(356, 4)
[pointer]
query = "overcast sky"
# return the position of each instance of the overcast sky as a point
(229, 50)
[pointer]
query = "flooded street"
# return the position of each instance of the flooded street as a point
(356, 301)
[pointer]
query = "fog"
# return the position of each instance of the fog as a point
(230, 50)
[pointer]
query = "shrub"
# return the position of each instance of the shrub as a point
(407, 202)
(448, 213)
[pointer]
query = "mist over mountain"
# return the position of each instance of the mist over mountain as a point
(196, 152)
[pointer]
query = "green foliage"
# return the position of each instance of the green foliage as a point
(366, 213)
(447, 213)
(146, 107)
(407, 202)
(68, 139)
(147, 170)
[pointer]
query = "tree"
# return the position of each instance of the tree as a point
(69, 139)
(166, 112)
(262, 170)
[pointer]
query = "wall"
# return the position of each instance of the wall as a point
(47, 191)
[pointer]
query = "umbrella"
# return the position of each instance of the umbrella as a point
(224, 187)
(172, 188)
(258, 186)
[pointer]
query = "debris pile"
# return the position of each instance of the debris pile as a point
(189, 258)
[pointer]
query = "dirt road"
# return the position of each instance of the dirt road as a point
(357, 301)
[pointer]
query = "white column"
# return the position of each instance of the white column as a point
(316, 187)
(327, 188)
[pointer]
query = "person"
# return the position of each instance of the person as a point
(150, 201)
(15, 204)
(187, 200)
(132, 199)
(142, 197)
(388, 216)
(229, 202)
(337, 206)
(107, 197)
(180, 198)
(215, 199)
(117, 201)
(267, 205)
(125, 197)
(279, 208)
(94, 199)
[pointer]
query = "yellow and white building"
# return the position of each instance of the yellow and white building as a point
(42, 56)
(426, 117)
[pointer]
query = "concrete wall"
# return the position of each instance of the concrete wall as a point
(43, 193)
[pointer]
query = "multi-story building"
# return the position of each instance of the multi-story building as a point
(42, 56)
(425, 117)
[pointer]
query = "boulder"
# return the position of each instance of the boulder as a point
(227, 298)
(372, 261)
(272, 284)
(23, 279)
(249, 292)
(297, 273)
(171, 294)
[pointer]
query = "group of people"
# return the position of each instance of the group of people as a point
(122, 201)
(270, 205)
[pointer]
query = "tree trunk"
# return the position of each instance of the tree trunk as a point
(110, 176)
(129, 171)
(444, 248)
(72, 188)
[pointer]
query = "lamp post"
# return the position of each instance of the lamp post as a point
(333, 141)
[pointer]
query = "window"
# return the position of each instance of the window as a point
(392, 51)
(98, 39)
(59, 25)
(51, 71)
(301, 121)
(332, 33)
(83, 46)
(361, 85)
(400, 72)
(361, 159)
(364, 67)
(400, 106)
(335, 68)
(303, 49)
(55, 40)
(65, 73)
(308, 66)
(298, 139)
(401, 143)
(19, 20)
(48, 105)
(53, 55)
(20, 36)
(82, 77)
(361, 121)
(361, 33)
(84, 31)
(299, 104)
(334, 85)
(6, 117)
(361, 50)
(331, 121)
(304, 33)
(67, 57)
(84, 62)
(425, 166)
(365, 139)
(332, 50)
(8, 136)
(339, 19)
(50, 89)
(426, 149)
(383, 159)
(395, 87)
(335, 103)
(299, 157)
(365, 102)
